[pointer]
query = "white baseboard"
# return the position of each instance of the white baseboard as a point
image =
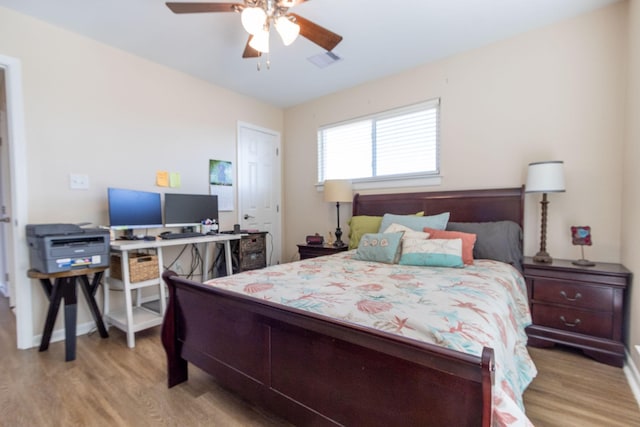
(633, 377)
(58, 334)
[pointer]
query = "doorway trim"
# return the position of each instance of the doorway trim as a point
(17, 241)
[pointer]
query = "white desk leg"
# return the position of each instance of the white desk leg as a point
(227, 252)
(105, 300)
(128, 302)
(163, 296)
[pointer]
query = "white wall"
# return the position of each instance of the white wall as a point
(95, 110)
(555, 93)
(631, 205)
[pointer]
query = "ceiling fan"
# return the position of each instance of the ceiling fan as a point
(259, 16)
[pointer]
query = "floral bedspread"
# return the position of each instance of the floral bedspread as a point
(459, 308)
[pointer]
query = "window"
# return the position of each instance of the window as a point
(394, 144)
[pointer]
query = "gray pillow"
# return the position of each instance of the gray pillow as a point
(499, 240)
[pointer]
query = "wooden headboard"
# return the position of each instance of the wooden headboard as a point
(464, 205)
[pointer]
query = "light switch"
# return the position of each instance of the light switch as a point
(78, 181)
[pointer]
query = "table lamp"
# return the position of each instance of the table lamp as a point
(338, 190)
(544, 177)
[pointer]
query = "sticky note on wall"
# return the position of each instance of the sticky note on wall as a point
(174, 179)
(162, 179)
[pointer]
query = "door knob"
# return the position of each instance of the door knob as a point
(247, 216)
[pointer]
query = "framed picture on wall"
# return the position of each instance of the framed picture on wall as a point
(221, 183)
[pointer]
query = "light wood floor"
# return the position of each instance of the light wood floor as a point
(111, 385)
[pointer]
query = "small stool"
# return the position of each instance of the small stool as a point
(64, 286)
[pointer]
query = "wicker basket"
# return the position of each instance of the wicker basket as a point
(141, 267)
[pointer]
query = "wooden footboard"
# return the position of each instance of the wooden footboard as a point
(312, 370)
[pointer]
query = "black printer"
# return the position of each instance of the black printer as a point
(63, 247)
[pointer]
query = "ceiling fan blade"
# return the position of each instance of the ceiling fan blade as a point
(203, 7)
(250, 52)
(317, 34)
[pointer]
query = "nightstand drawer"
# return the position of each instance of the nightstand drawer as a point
(573, 294)
(591, 323)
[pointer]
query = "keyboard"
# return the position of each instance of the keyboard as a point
(172, 236)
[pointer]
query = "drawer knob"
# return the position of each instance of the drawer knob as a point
(576, 298)
(571, 325)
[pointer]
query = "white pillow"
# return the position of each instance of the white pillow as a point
(408, 232)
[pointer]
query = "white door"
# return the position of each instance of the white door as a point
(259, 185)
(13, 181)
(5, 201)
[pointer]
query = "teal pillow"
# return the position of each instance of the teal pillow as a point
(432, 252)
(417, 223)
(379, 247)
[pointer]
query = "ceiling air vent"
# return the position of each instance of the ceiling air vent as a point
(323, 60)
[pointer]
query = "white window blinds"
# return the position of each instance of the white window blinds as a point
(397, 143)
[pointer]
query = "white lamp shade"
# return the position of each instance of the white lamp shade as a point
(288, 30)
(253, 19)
(260, 41)
(545, 177)
(338, 190)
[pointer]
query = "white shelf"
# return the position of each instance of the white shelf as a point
(117, 284)
(143, 318)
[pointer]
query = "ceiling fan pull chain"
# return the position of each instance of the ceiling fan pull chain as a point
(258, 65)
(268, 61)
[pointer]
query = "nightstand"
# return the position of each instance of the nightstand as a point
(582, 307)
(312, 251)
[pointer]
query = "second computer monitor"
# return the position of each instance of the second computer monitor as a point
(183, 210)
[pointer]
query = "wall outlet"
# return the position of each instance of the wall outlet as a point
(177, 267)
(78, 181)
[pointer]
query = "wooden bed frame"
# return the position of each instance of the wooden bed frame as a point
(312, 370)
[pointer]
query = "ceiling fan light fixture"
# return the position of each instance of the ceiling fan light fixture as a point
(288, 30)
(260, 41)
(253, 19)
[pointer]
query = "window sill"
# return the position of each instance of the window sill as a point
(373, 184)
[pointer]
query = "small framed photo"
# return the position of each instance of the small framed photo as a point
(581, 235)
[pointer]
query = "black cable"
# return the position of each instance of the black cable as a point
(196, 261)
(175, 259)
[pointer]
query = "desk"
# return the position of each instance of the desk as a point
(135, 317)
(64, 286)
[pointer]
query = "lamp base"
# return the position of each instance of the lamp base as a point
(543, 257)
(583, 263)
(338, 243)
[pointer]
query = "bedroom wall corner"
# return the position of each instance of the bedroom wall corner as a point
(631, 191)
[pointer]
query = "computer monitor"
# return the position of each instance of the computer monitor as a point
(186, 210)
(133, 209)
